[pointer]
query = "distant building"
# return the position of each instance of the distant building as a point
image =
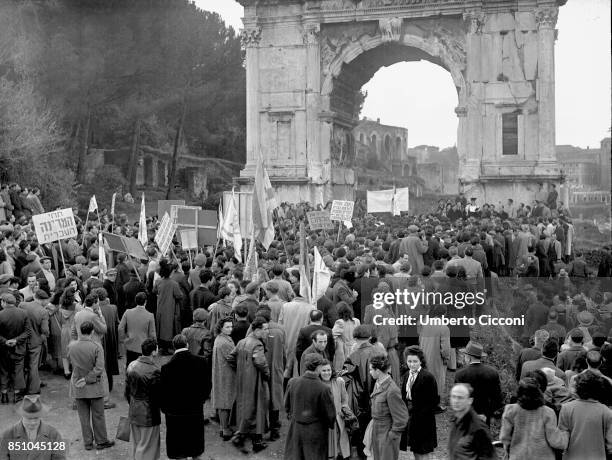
(585, 169)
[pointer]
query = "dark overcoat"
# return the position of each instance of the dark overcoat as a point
(420, 433)
(310, 406)
(110, 340)
(182, 397)
(168, 317)
(252, 390)
(275, 354)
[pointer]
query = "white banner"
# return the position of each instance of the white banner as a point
(164, 235)
(54, 226)
(384, 201)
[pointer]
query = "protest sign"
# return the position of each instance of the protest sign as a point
(164, 234)
(203, 222)
(319, 220)
(130, 246)
(342, 210)
(54, 226)
(174, 209)
(189, 238)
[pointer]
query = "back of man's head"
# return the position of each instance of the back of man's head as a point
(316, 316)
(141, 298)
(179, 341)
(594, 359)
(148, 347)
(205, 276)
(540, 337)
(550, 348)
(87, 327)
(577, 336)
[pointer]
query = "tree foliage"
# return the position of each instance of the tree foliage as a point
(79, 73)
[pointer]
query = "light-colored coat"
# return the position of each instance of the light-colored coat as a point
(415, 248)
(223, 374)
(435, 343)
(294, 316)
(341, 444)
(87, 358)
(275, 354)
(137, 324)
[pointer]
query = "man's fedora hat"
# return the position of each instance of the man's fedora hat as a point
(32, 407)
(474, 349)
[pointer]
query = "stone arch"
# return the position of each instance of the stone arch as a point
(438, 54)
(374, 142)
(398, 147)
(387, 147)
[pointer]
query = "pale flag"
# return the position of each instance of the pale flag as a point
(143, 237)
(221, 222)
(305, 289)
(348, 224)
(250, 267)
(321, 277)
(231, 226)
(113, 204)
(101, 256)
(264, 203)
(93, 204)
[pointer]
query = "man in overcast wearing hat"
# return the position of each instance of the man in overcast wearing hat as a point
(415, 246)
(31, 428)
(484, 380)
(14, 333)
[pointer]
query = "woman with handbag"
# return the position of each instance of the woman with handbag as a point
(420, 393)
(338, 439)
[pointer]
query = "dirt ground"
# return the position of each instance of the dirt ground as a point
(62, 417)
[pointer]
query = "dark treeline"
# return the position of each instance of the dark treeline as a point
(81, 74)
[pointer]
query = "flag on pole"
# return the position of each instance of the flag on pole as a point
(231, 227)
(321, 277)
(221, 223)
(250, 267)
(264, 202)
(93, 204)
(113, 204)
(305, 289)
(143, 236)
(101, 256)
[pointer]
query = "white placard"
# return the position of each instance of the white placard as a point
(164, 235)
(342, 210)
(54, 226)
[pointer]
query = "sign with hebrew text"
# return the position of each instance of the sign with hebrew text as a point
(54, 226)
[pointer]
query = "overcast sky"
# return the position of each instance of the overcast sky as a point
(420, 96)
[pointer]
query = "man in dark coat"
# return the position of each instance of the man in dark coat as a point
(142, 392)
(310, 408)
(252, 390)
(185, 306)
(182, 397)
(123, 276)
(14, 334)
(304, 339)
(202, 297)
(109, 284)
(110, 340)
(483, 379)
(128, 292)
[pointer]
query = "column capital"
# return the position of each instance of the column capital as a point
(311, 34)
(461, 111)
(250, 36)
(476, 20)
(546, 17)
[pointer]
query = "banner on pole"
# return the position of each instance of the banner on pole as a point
(174, 210)
(319, 220)
(164, 235)
(387, 201)
(54, 226)
(342, 210)
(203, 222)
(244, 203)
(189, 238)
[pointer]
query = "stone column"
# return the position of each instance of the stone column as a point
(154, 173)
(546, 19)
(313, 88)
(250, 38)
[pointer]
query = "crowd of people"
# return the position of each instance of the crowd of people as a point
(348, 383)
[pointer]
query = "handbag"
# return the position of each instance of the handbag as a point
(123, 429)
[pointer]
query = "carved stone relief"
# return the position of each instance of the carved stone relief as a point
(250, 37)
(390, 29)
